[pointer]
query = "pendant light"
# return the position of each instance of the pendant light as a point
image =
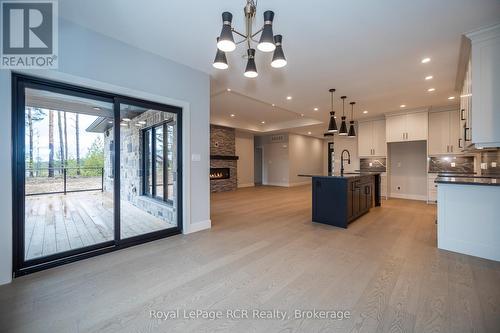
(220, 61)
(343, 125)
(332, 126)
(251, 69)
(352, 132)
(226, 41)
(266, 42)
(278, 56)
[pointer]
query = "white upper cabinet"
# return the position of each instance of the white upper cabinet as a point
(407, 127)
(485, 113)
(444, 132)
(371, 138)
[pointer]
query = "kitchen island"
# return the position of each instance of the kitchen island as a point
(339, 199)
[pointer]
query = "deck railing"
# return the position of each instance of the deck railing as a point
(63, 180)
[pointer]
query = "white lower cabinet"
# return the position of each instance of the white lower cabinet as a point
(383, 185)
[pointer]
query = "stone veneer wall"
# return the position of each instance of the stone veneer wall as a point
(222, 142)
(131, 166)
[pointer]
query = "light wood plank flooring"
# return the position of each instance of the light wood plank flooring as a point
(57, 222)
(263, 252)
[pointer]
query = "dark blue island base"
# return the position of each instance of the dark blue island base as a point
(340, 199)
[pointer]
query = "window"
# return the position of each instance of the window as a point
(158, 158)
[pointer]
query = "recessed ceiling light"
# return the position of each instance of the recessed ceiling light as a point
(110, 121)
(228, 89)
(288, 97)
(365, 112)
(426, 60)
(142, 122)
(466, 95)
(431, 89)
(139, 125)
(126, 119)
(96, 108)
(402, 106)
(262, 122)
(429, 77)
(232, 115)
(309, 133)
(315, 109)
(123, 124)
(451, 97)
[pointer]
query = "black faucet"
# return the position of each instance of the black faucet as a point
(342, 160)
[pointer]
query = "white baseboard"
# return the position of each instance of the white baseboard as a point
(277, 184)
(307, 182)
(246, 185)
(408, 196)
(198, 226)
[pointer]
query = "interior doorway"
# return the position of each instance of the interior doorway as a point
(258, 166)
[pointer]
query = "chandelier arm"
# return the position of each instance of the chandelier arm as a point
(238, 33)
(257, 32)
(241, 41)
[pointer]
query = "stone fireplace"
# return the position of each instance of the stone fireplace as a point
(223, 165)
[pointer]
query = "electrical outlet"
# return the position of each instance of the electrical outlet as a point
(370, 164)
(484, 166)
(493, 164)
(453, 164)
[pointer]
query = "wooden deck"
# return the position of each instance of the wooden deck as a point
(57, 222)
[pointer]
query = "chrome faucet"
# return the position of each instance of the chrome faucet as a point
(342, 160)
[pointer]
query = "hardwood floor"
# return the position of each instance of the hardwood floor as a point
(264, 253)
(57, 222)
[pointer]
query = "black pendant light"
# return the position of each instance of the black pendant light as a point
(251, 69)
(352, 132)
(332, 125)
(343, 125)
(226, 41)
(279, 59)
(220, 61)
(266, 42)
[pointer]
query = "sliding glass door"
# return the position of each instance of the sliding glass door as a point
(148, 176)
(93, 172)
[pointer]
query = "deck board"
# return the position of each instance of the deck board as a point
(57, 223)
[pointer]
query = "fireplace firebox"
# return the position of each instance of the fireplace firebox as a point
(219, 173)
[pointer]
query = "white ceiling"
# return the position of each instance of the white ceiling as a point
(368, 50)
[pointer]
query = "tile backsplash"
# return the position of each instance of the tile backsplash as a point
(490, 163)
(458, 164)
(373, 164)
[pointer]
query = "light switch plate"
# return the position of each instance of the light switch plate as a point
(484, 166)
(195, 157)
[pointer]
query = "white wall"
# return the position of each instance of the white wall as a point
(341, 143)
(408, 170)
(93, 60)
(245, 151)
(275, 164)
(306, 157)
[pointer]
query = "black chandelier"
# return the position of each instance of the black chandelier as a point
(267, 42)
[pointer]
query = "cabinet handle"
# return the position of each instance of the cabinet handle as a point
(460, 143)
(448, 148)
(462, 114)
(466, 131)
(451, 148)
